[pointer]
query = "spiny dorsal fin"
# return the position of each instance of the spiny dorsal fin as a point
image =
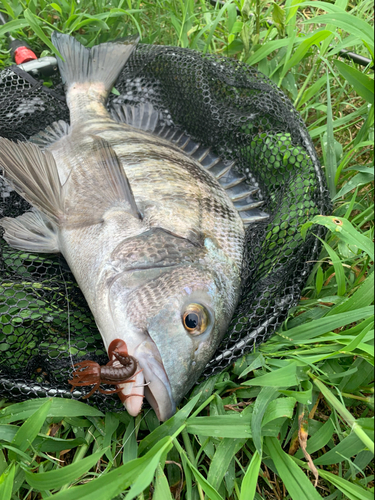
(34, 175)
(32, 232)
(145, 117)
(50, 135)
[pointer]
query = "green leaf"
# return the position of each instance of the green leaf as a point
(304, 397)
(296, 482)
(266, 395)
(55, 479)
(283, 377)
(14, 25)
(250, 480)
(352, 491)
(348, 447)
(33, 21)
(107, 486)
(330, 153)
(130, 446)
(143, 480)
(222, 458)
(358, 180)
(344, 230)
(278, 15)
(364, 296)
(265, 50)
(321, 438)
(59, 408)
(345, 21)
(361, 83)
(301, 51)
(162, 490)
(210, 491)
(345, 413)
(222, 426)
(29, 430)
(278, 408)
(339, 270)
(169, 427)
(7, 482)
(56, 7)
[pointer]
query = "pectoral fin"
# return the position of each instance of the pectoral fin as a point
(96, 185)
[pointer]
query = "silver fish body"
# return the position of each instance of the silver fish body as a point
(151, 237)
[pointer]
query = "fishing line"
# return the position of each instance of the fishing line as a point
(135, 429)
(68, 319)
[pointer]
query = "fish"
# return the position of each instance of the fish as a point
(151, 224)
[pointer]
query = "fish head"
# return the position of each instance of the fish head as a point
(172, 319)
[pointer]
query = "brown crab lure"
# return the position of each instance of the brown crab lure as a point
(118, 370)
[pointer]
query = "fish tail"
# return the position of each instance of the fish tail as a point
(100, 64)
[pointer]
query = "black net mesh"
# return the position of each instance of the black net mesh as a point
(45, 323)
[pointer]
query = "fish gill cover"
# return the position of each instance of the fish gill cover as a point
(45, 323)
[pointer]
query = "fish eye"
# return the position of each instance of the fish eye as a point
(195, 319)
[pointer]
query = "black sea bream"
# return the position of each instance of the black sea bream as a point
(154, 240)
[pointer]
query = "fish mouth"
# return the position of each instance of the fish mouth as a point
(150, 381)
(157, 389)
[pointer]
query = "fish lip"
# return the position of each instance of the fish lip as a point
(158, 389)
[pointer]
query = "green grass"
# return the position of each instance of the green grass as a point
(305, 396)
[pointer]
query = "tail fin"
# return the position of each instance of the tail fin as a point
(102, 63)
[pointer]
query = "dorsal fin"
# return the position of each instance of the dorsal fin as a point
(240, 191)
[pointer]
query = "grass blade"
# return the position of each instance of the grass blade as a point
(296, 482)
(223, 426)
(300, 53)
(352, 491)
(284, 377)
(169, 427)
(347, 22)
(344, 230)
(346, 415)
(14, 25)
(361, 83)
(221, 460)
(7, 482)
(33, 22)
(29, 430)
(250, 480)
(330, 156)
(55, 479)
(162, 490)
(115, 482)
(266, 395)
(339, 270)
(59, 408)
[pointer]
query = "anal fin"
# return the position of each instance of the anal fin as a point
(32, 232)
(50, 135)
